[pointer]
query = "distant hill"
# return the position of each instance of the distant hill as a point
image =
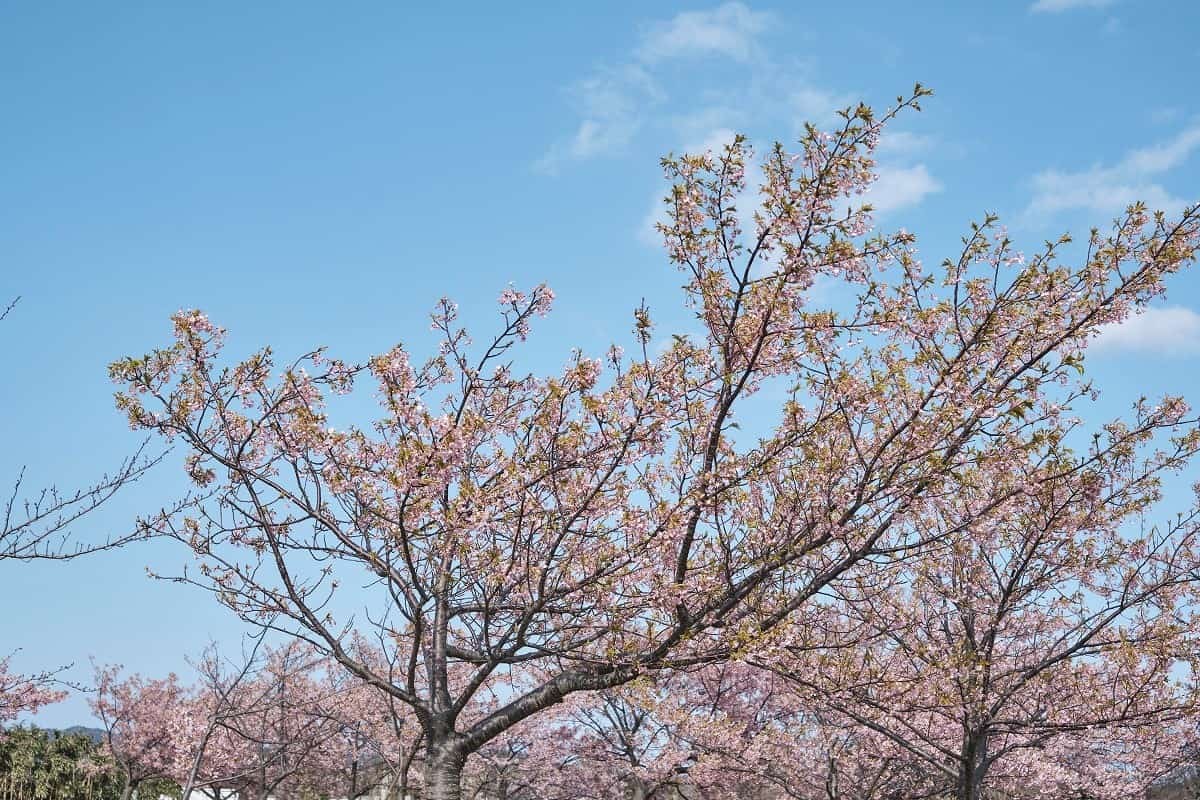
(95, 734)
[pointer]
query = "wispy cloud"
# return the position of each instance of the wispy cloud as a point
(901, 187)
(903, 142)
(1168, 331)
(697, 126)
(1058, 6)
(1107, 189)
(614, 103)
(753, 91)
(812, 104)
(729, 30)
(611, 104)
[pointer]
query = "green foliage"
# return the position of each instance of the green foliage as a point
(49, 765)
(158, 787)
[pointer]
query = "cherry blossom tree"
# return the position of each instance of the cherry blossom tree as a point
(747, 734)
(138, 715)
(210, 758)
(601, 745)
(373, 742)
(573, 533)
(1049, 647)
(502, 769)
(287, 723)
(289, 726)
(25, 694)
(726, 731)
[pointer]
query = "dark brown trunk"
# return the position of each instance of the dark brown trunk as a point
(443, 773)
(972, 769)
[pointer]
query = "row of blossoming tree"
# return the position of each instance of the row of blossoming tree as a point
(289, 722)
(865, 549)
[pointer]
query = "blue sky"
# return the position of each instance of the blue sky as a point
(311, 175)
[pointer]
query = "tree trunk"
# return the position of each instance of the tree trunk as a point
(443, 773)
(973, 766)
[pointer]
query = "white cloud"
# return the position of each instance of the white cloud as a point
(1094, 190)
(903, 142)
(695, 127)
(612, 104)
(1058, 6)
(729, 30)
(1164, 331)
(814, 105)
(616, 104)
(1164, 156)
(647, 231)
(1109, 189)
(715, 141)
(901, 187)
(754, 93)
